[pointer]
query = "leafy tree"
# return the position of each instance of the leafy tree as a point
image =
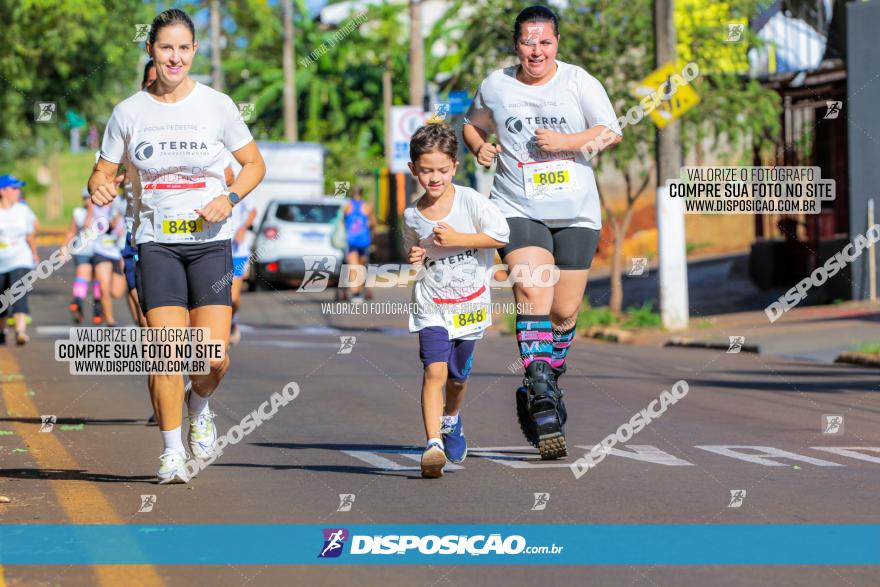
(78, 54)
(339, 92)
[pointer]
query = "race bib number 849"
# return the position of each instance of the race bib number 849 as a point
(182, 226)
(176, 226)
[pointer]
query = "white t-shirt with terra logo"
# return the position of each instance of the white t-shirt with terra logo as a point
(177, 152)
(558, 188)
(455, 280)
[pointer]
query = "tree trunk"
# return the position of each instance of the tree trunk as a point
(55, 197)
(416, 55)
(386, 110)
(616, 300)
(620, 229)
(672, 264)
(288, 63)
(216, 63)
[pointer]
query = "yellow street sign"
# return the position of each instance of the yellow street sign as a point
(661, 83)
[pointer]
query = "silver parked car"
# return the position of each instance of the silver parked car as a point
(295, 236)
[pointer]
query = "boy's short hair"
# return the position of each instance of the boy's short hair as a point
(433, 137)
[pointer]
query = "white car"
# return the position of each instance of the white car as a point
(294, 237)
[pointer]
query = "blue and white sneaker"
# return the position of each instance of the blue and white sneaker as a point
(453, 439)
(433, 460)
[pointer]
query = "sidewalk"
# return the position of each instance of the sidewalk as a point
(814, 333)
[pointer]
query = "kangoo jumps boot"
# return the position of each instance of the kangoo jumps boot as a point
(526, 423)
(544, 407)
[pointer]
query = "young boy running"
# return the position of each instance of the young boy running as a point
(452, 232)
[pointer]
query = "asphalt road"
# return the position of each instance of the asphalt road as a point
(747, 423)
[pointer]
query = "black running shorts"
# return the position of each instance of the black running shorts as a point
(6, 280)
(572, 247)
(187, 275)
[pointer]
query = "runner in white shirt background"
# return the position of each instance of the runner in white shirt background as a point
(129, 252)
(452, 231)
(545, 113)
(242, 219)
(18, 252)
(82, 260)
(107, 260)
(174, 135)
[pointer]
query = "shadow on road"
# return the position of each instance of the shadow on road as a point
(786, 381)
(354, 469)
(89, 421)
(73, 475)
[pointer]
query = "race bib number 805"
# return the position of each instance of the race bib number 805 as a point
(551, 178)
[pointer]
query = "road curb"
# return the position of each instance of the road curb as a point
(694, 343)
(610, 334)
(864, 359)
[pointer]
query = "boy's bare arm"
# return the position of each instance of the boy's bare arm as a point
(446, 236)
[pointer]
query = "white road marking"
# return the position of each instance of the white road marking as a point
(377, 461)
(380, 462)
(292, 344)
(729, 450)
(526, 457)
(851, 452)
(418, 458)
(646, 453)
(56, 330)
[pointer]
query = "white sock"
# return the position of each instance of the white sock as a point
(197, 404)
(173, 441)
(437, 440)
(451, 420)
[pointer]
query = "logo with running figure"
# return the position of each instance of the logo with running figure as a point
(832, 109)
(535, 33)
(541, 501)
(832, 424)
(346, 500)
(737, 497)
(346, 344)
(247, 110)
(340, 188)
(44, 112)
(735, 32)
(147, 503)
(141, 32)
(638, 267)
(47, 422)
(334, 541)
(441, 110)
(736, 344)
(319, 269)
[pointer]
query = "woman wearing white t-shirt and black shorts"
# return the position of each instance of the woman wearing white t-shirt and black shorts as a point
(546, 115)
(174, 135)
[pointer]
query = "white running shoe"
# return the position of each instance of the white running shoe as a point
(173, 468)
(202, 435)
(433, 460)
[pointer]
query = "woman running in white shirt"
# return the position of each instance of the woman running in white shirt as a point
(547, 115)
(174, 135)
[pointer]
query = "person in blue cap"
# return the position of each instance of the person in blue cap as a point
(18, 250)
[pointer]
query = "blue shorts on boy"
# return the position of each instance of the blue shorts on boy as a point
(458, 354)
(452, 276)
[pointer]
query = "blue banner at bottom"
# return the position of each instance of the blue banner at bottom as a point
(636, 544)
